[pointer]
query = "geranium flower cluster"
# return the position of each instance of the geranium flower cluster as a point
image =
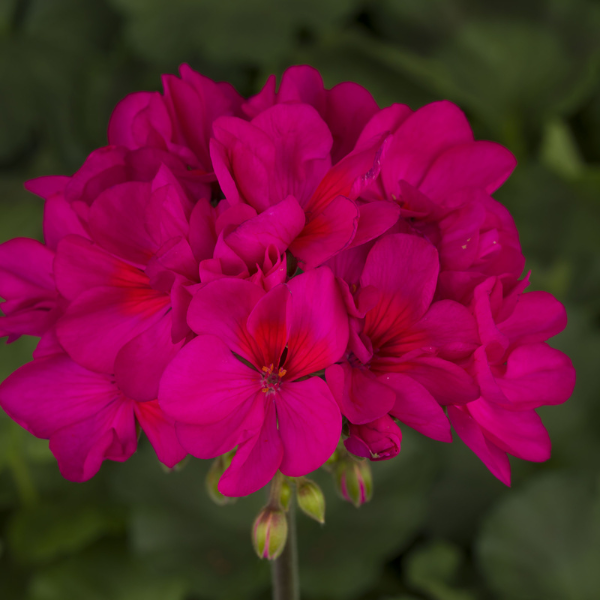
(273, 274)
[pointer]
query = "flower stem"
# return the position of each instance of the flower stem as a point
(284, 570)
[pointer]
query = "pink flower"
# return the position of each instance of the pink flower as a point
(266, 403)
(85, 415)
(517, 373)
(401, 350)
(129, 286)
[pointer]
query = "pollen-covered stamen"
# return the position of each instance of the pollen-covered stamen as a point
(271, 379)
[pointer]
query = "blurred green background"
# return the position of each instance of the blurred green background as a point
(440, 527)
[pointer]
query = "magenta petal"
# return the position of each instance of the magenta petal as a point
(483, 165)
(359, 395)
(278, 225)
(447, 326)
(420, 139)
(222, 308)
(109, 434)
(445, 381)
(256, 460)
(417, 408)
(470, 433)
(267, 324)
(537, 317)
(160, 431)
(60, 220)
(102, 320)
(310, 425)
(349, 108)
(318, 323)
(81, 265)
(520, 433)
(47, 186)
(117, 222)
(140, 363)
(384, 120)
(214, 439)
(51, 393)
(404, 269)
(328, 233)
(537, 375)
(205, 383)
(375, 218)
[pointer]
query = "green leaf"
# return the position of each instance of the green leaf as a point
(46, 531)
(544, 541)
(433, 567)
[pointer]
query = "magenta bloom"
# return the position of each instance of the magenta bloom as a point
(269, 276)
(266, 403)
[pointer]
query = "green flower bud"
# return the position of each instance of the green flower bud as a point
(354, 480)
(269, 533)
(213, 477)
(285, 494)
(311, 499)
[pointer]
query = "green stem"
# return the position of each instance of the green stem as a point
(284, 570)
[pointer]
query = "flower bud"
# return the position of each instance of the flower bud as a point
(354, 480)
(311, 499)
(285, 494)
(213, 476)
(269, 533)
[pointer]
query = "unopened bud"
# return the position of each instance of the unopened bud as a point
(213, 476)
(269, 533)
(354, 480)
(285, 494)
(311, 499)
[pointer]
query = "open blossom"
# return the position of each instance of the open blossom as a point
(262, 276)
(267, 404)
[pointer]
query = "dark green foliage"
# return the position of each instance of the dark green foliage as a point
(439, 527)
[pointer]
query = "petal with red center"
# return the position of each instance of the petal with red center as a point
(404, 269)
(520, 433)
(537, 375)
(360, 396)
(416, 407)
(310, 425)
(222, 308)
(479, 164)
(268, 325)
(328, 233)
(318, 323)
(445, 381)
(102, 320)
(447, 326)
(205, 383)
(160, 431)
(470, 433)
(117, 222)
(256, 460)
(81, 265)
(140, 363)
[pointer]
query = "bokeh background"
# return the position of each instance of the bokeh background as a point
(440, 527)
